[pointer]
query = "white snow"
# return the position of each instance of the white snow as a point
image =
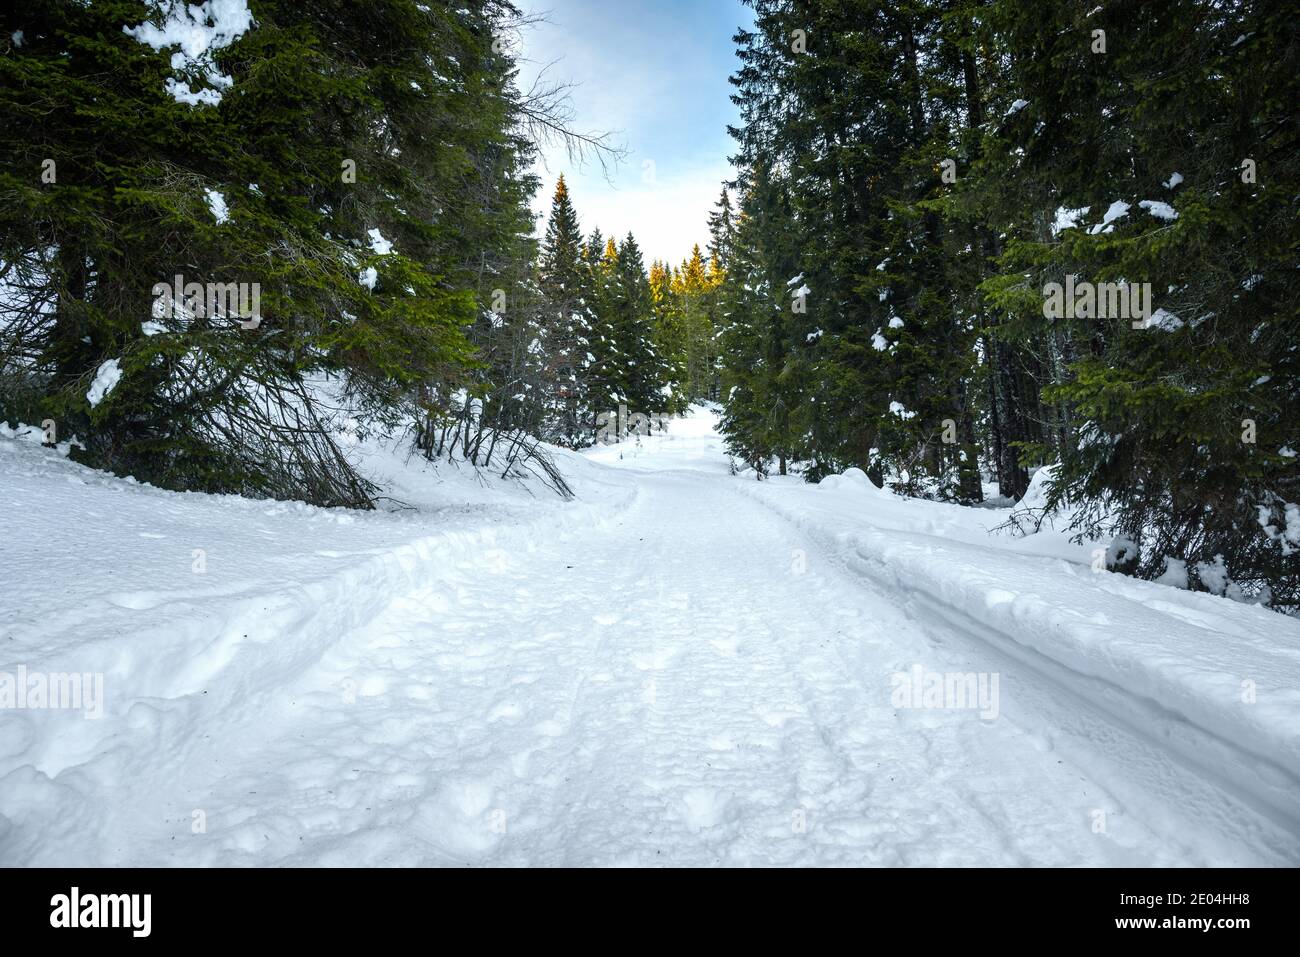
(1175, 573)
(1288, 535)
(217, 206)
(1164, 320)
(683, 666)
(1117, 210)
(196, 30)
(380, 245)
(1159, 209)
(369, 277)
(1067, 218)
(1214, 576)
(107, 376)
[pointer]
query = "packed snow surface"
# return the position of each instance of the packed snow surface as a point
(684, 666)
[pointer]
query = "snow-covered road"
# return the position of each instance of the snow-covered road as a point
(688, 679)
(671, 688)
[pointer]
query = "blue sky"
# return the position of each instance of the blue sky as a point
(654, 74)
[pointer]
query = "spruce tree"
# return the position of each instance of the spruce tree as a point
(640, 374)
(722, 232)
(567, 329)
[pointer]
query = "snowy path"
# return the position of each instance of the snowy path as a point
(669, 689)
(690, 679)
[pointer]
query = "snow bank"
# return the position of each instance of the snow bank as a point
(190, 606)
(1219, 680)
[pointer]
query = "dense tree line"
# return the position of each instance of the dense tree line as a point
(597, 334)
(916, 177)
(618, 333)
(356, 176)
(360, 165)
(970, 239)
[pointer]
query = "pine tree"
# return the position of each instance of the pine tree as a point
(640, 374)
(722, 232)
(607, 368)
(567, 330)
(698, 304)
(669, 337)
(746, 379)
(763, 380)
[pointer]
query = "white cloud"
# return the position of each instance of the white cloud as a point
(666, 101)
(666, 216)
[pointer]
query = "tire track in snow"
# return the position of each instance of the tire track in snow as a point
(535, 713)
(1199, 814)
